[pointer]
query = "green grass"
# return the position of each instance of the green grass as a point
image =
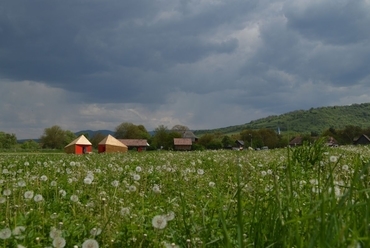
(309, 196)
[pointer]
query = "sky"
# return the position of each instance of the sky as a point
(204, 64)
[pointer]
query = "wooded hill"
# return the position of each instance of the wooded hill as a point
(314, 120)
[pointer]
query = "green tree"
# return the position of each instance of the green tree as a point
(56, 138)
(227, 141)
(127, 130)
(30, 145)
(163, 138)
(96, 138)
(180, 128)
(7, 140)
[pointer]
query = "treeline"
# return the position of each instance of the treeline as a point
(56, 138)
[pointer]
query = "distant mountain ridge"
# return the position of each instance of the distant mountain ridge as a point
(305, 121)
(91, 133)
(300, 121)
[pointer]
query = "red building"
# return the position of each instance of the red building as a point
(81, 145)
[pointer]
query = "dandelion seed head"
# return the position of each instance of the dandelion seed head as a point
(59, 242)
(115, 183)
(38, 198)
(95, 231)
(132, 188)
(74, 198)
(333, 159)
(5, 233)
(136, 177)
(43, 178)
(90, 243)
(87, 180)
(159, 222)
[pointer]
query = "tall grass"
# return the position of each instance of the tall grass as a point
(309, 196)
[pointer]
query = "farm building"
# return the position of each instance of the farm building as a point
(330, 141)
(135, 144)
(182, 144)
(110, 144)
(239, 144)
(297, 141)
(190, 134)
(81, 145)
(362, 140)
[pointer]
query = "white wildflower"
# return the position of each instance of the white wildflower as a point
(38, 198)
(5, 233)
(90, 243)
(159, 222)
(59, 242)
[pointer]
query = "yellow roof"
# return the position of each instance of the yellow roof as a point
(110, 140)
(80, 141)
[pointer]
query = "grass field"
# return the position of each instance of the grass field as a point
(310, 196)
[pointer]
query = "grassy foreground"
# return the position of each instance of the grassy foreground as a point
(310, 196)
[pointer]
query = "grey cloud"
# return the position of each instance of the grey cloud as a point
(334, 22)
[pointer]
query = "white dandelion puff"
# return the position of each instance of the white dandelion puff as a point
(156, 189)
(87, 180)
(74, 198)
(132, 188)
(115, 183)
(159, 222)
(38, 198)
(95, 231)
(62, 193)
(21, 183)
(333, 159)
(136, 177)
(7, 192)
(43, 178)
(55, 232)
(18, 232)
(90, 243)
(5, 233)
(170, 216)
(59, 242)
(125, 211)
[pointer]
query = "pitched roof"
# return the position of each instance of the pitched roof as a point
(80, 141)
(110, 140)
(296, 141)
(182, 142)
(134, 142)
(188, 134)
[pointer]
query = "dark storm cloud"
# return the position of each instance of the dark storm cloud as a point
(201, 63)
(67, 43)
(333, 22)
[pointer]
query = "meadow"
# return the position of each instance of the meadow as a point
(309, 196)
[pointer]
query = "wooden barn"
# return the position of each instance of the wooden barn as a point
(135, 144)
(362, 140)
(182, 144)
(110, 144)
(81, 145)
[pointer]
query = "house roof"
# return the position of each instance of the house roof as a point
(182, 141)
(240, 142)
(81, 140)
(134, 142)
(296, 140)
(188, 134)
(363, 135)
(110, 140)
